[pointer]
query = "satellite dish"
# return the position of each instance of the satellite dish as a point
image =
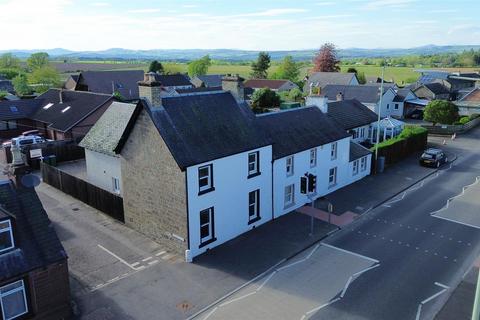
(30, 180)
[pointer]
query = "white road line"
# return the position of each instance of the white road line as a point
(239, 298)
(456, 221)
(146, 259)
(135, 264)
(160, 253)
(422, 303)
(152, 262)
(346, 286)
(117, 257)
(320, 307)
(210, 313)
(266, 280)
(365, 270)
(477, 179)
(349, 252)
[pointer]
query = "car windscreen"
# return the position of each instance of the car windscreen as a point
(26, 141)
(428, 156)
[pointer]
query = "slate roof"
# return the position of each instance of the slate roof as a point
(6, 85)
(198, 90)
(357, 151)
(351, 114)
(36, 243)
(437, 88)
(200, 128)
(173, 80)
(299, 129)
(211, 80)
(108, 82)
(264, 83)
(364, 94)
(107, 132)
(19, 109)
(402, 95)
(81, 105)
(321, 79)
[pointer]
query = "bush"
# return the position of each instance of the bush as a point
(464, 120)
(407, 133)
(441, 111)
(9, 73)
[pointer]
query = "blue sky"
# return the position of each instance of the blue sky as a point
(245, 24)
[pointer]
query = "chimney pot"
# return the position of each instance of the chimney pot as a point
(234, 84)
(151, 90)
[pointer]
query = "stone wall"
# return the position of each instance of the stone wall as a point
(154, 187)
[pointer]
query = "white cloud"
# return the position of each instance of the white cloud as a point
(379, 4)
(326, 3)
(147, 10)
(273, 12)
(100, 4)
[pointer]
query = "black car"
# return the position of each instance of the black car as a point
(433, 158)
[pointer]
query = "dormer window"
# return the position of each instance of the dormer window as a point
(6, 236)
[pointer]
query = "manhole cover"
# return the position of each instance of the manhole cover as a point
(184, 306)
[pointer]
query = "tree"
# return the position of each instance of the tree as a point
(361, 78)
(295, 95)
(288, 69)
(352, 70)
(260, 67)
(264, 99)
(20, 84)
(37, 60)
(9, 61)
(440, 111)
(199, 67)
(156, 66)
(326, 59)
(44, 78)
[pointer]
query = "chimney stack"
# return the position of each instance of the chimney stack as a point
(151, 90)
(317, 100)
(339, 96)
(234, 84)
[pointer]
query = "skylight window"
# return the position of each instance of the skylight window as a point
(47, 106)
(66, 109)
(13, 109)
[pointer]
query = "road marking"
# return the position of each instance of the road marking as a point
(236, 299)
(349, 252)
(135, 264)
(266, 280)
(152, 262)
(318, 308)
(477, 179)
(455, 221)
(420, 305)
(210, 313)
(160, 253)
(117, 257)
(146, 259)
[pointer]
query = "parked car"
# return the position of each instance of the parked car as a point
(24, 140)
(433, 158)
(417, 114)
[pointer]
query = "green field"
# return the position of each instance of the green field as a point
(400, 75)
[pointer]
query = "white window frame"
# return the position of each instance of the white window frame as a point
(355, 167)
(116, 185)
(289, 196)
(211, 229)
(255, 205)
(363, 164)
(332, 182)
(15, 290)
(313, 157)
(255, 163)
(397, 105)
(333, 151)
(209, 177)
(8, 229)
(289, 162)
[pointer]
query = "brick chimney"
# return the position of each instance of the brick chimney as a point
(151, 90)
(234, 84)
(317, 100)
(339, 96)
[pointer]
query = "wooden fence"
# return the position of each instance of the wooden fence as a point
(451, 129)
(94, 196)
(403, 148)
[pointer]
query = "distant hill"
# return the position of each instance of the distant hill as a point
(234, 55)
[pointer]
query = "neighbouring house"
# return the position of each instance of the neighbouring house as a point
(34, 281)
(173, 81)
(453, 81)
(208, 80)
(71, 82)
(198, 170)
(368, 95)
(308, 143)
(322, 79)
(403, 103)
(68, 115)
(432, 91)
(15, 117)
(100, 143)
(274, 85)
(470, 103)
(57, 114)
(197, 90)
(354, 117)
(123, 82)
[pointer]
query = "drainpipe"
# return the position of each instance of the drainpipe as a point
(476, 303)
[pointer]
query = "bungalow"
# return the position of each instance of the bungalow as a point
(432, 91)
(100, 143)
(15, 117)
(368, 95)
(470, 103)
(274, 85)
(322, 79)
(34, 282)
(354, 117)
(192, 183)
(404, 99)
